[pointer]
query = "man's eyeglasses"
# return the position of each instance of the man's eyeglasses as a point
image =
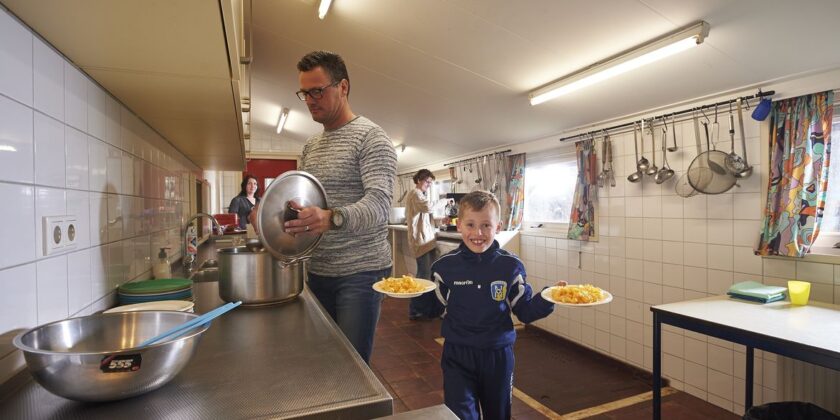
(314, 93)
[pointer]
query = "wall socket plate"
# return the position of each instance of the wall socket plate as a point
(59, 234)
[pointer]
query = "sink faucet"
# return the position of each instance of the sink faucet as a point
(189, 259)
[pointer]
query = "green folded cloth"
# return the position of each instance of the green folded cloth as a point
(757, 290)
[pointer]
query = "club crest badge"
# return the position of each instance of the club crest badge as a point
(498, 290)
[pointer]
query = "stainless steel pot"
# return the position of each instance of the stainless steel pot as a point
(250, 274)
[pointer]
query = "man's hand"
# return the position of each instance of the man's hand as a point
(311, 220)
(561, 283)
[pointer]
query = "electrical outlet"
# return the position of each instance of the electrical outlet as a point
(59, 233)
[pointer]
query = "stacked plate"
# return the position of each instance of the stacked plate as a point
(161, 305)
(155, 290)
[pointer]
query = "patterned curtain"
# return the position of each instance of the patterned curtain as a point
(582, 218)
(515, 192)
(800, 150)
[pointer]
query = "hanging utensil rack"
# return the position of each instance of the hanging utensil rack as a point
(612, 130)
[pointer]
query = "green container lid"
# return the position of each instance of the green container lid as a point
(155, 286)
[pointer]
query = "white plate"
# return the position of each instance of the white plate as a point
(546, 294)
(428, 286)
(160, 305)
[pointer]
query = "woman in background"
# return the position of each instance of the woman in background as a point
(421, 240)
(246, 200)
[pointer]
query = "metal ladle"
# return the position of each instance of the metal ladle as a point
(641, 164)
(748, 169)
(673, 132)
(666, 172)
(636, 176)
(652, 169)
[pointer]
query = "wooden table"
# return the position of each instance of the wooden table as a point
(809, 333)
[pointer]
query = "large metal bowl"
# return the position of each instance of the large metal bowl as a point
(93, 358)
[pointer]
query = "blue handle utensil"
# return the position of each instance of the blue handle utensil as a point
(197, 321)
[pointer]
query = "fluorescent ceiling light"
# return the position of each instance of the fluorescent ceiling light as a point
(655, 50)
(284, 114)
(324, 8)
(7, 148)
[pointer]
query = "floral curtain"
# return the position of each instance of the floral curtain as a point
(582, 218)
(800, 150)
(515, 197)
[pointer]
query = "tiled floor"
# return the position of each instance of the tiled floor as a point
(555, 376)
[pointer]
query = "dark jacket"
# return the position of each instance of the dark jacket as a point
(479, 292)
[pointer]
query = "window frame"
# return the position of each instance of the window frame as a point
(551, 229)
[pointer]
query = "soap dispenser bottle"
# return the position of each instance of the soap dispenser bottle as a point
(163, 267)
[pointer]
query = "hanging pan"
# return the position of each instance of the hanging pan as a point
(707, 172)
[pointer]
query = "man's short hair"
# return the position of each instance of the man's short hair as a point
(477, 200)
(422, 175)
(332, 63)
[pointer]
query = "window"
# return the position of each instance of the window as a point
(830, 228)
(549, 190)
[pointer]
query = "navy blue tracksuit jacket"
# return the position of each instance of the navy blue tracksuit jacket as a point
(479, 292)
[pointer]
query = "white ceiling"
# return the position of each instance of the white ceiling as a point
(451, 77)
(445, 77)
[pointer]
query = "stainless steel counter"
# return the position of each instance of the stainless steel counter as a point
(282, 361)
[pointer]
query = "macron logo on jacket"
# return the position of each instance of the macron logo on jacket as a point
(480, 291)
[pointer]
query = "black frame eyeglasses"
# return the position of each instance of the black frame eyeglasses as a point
(314, 93)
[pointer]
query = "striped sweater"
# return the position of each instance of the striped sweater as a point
(357, 166)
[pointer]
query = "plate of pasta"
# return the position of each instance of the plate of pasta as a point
(404, 287)
(576, 295)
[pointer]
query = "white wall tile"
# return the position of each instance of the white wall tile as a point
(52, 289)
(720, 231)
(19, 300)
(777, 267)
(76, 152)
(112, 122)
(815, 272)
(78, 280)
(672, 274)
(720, 206)
(16, 56)
(720, 257)
(746, 232)
(21, 216)
(98, 218)
(695, 254)
(97, 111)
(745, 260)
(696, 230)
(672, 229)
(48, 79)
(49, 151)
(97, 165)
(114, 170)
(672, 252)
(747, 206)
(98, 274)
(695, 207)
(75, 97)
(695, 278)
(48, 202)
(115, 218)
(17, 148)
(652, 207)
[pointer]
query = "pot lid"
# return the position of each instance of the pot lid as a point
(292, 186)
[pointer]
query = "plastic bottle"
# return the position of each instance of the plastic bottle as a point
(163, 267)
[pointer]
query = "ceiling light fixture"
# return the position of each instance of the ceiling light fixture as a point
(657, 49)
(284, 114)
(324, 8)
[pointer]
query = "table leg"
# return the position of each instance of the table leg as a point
(748, 396)
(657, 367)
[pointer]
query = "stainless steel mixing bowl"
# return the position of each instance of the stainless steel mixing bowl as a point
(93, 358)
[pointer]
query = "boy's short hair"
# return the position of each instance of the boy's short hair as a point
(422, 175)
(477, 200)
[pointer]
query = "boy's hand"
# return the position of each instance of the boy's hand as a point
(561, 283)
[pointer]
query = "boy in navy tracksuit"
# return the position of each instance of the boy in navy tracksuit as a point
(480, 284)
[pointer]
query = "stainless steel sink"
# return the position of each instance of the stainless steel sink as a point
(205, 274)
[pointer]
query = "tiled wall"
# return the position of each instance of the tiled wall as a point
(68, 148)
(657, 247)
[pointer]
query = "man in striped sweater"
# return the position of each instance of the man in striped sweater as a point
(356, 163)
